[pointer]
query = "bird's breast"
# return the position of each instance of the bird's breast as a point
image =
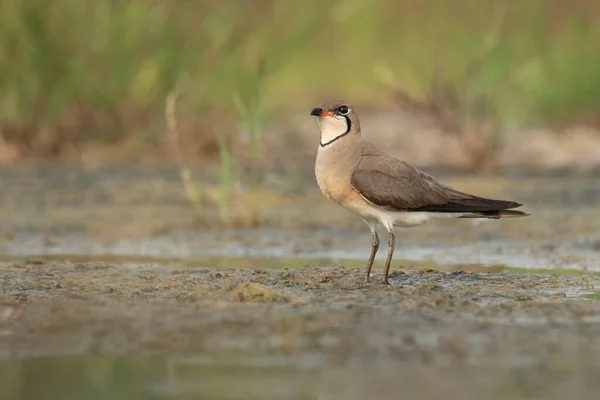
(333, 177)
(326, 180)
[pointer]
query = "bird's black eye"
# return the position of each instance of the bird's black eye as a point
(344, 110)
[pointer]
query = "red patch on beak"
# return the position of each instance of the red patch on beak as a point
(327, 114)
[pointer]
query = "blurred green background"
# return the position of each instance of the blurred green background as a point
(81, 74)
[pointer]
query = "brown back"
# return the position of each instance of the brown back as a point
(395, 185)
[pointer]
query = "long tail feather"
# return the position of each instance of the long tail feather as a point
(496, 214)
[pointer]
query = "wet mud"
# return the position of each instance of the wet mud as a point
(315, 319)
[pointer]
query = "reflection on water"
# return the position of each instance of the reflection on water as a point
(143, 378)
(134, 378)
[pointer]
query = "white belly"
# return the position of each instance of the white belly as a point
(389, 219)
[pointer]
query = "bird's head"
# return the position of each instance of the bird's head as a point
(336, 119)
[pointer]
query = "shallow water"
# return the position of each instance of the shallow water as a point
(141, 212)
(133, 378)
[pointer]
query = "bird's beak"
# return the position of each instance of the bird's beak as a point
(319, 112)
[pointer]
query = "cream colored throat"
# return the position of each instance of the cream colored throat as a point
(332, 129)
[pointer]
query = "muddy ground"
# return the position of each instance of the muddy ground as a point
(155, 304)
(431, 333)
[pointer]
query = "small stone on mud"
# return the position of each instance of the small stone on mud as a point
(259, 271)
(255, 292)
(427, 271)
(523, 297)
(286, 274)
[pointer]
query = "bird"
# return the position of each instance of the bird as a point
(380, 188)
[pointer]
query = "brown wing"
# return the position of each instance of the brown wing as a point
(396, 186)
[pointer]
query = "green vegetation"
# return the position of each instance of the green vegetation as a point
(555, 271)
(293, 263)
(80, 72)
(591, 296)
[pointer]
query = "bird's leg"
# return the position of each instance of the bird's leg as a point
(374, 248)
(388, 261)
